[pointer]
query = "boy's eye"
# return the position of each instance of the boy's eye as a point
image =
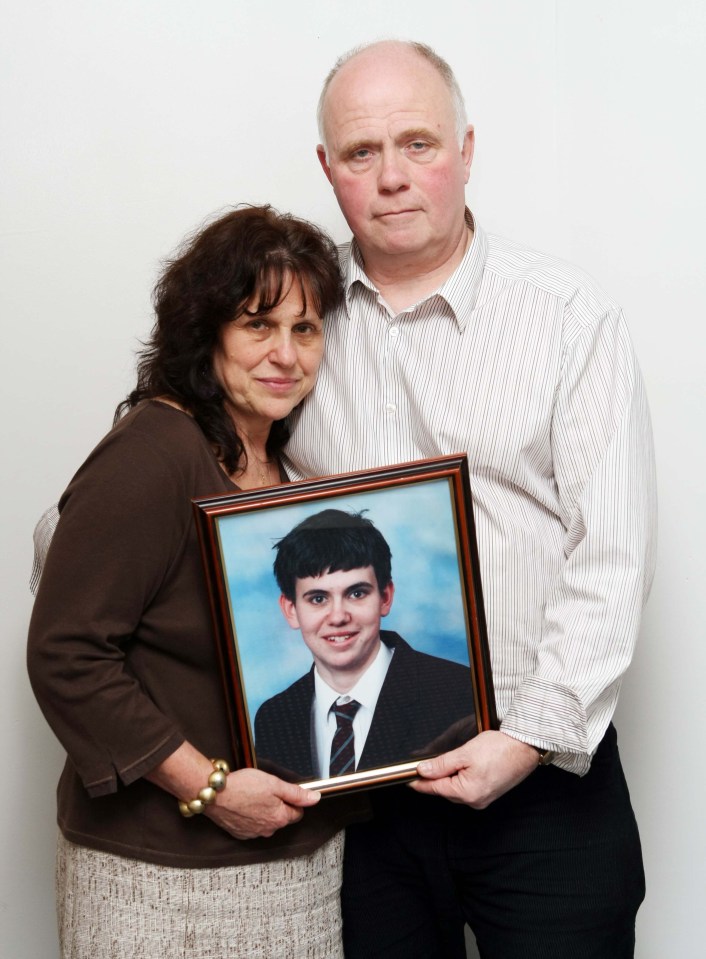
(359, 593)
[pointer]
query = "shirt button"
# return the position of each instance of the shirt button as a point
(394, 331)
(390, 407)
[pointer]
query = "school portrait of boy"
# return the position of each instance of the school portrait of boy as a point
(369, 699)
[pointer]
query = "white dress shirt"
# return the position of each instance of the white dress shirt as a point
(366, 692)
(521, 361)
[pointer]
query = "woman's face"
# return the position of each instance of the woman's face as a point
(267, 364)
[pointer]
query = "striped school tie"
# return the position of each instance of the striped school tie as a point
(343, 745)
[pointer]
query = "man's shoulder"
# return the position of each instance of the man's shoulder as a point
(516, 263)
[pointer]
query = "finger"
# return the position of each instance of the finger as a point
(442, 766)
(295, 795)
(285, 816)
(430, 787)
(445, 788)
(294, 814)
(426, 787)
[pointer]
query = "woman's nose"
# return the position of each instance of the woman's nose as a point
(283, 350)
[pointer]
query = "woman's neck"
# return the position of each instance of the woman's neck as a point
(256, 467)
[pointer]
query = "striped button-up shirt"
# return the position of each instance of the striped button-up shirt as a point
(522, 362)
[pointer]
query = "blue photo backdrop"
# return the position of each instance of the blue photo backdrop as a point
(428, 609)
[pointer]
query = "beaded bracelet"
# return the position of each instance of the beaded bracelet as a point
(216, 784)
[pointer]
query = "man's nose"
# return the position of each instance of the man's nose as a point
(392, 175)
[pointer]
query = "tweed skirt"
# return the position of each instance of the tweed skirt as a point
(110, 907)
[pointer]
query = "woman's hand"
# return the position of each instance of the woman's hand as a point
(254, 803)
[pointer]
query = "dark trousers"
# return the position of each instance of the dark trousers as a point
(552, 870)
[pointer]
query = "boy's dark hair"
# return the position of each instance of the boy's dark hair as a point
(329, 541)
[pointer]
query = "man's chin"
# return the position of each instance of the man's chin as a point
(401, 241)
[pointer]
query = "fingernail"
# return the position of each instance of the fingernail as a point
(424, 768)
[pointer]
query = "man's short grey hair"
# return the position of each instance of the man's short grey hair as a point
(424, 51)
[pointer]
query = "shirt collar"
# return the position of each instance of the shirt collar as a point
(460, 291)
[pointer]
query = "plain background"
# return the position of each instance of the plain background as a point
(125, 124)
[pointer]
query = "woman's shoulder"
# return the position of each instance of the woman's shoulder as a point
(153, 445)
(158, 418)
(165, 430)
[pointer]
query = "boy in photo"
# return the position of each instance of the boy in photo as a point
(370, 699)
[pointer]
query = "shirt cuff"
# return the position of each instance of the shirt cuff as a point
(550, 716)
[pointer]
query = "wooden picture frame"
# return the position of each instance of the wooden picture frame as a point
(437, 691)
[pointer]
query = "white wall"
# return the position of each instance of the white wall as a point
(123, 125)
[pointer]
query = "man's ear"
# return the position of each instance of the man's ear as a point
(387, 595)
(289, 611)
(467, 147)
(321, 154)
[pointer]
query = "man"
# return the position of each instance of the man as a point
(451, 340)
(369, 700)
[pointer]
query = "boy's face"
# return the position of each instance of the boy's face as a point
(339, 616)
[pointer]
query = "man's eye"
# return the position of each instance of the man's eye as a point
(317, 600)
(417, 146)
(358, 593)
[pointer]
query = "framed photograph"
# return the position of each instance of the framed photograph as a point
(349, 622)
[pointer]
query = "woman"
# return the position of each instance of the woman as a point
(121, 654)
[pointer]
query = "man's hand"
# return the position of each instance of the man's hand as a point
(479, 771)
(257, 804)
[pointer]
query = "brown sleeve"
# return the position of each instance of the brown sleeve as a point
(124, 520)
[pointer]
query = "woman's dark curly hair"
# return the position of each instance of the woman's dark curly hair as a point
(253, 252)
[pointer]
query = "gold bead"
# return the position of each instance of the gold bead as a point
(184, 810)
(217, 780)
(207, 795)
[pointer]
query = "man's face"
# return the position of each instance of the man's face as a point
(339, 617)
(394, 160)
